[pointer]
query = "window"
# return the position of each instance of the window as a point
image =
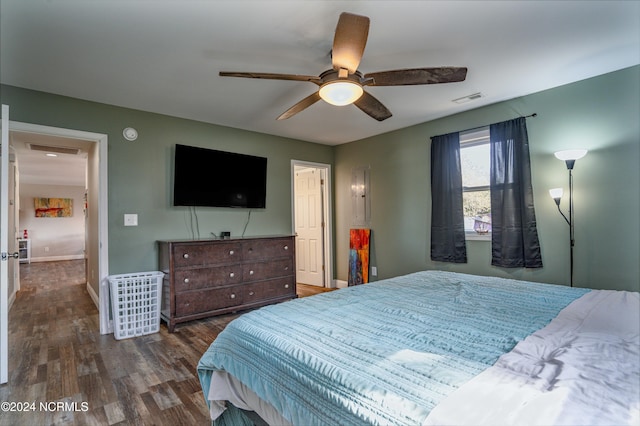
(476, 201)
(464, 186)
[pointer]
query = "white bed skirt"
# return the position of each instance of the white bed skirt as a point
(225, 387)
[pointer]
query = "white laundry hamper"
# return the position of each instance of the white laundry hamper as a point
(135, 300)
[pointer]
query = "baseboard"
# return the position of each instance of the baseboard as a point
(57, 258)
(12, 298)
(93, 295)
(342, 284)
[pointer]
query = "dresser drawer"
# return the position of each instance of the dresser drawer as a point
(195, 302)
(267, 248)
(271, 289)
(256, 271)
(185, 255)
(196, 278)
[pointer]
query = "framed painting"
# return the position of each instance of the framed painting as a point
(53, 207)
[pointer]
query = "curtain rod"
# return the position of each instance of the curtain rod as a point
(535, 114)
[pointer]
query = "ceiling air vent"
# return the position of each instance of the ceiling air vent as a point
(468, 98)
(56, 149)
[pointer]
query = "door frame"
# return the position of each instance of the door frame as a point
(101, 139)
(4, 246)
(327, 214)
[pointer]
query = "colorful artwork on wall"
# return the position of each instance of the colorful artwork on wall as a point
(53, 207)
(359, 256)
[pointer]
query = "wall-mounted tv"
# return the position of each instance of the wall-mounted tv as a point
(212, 178)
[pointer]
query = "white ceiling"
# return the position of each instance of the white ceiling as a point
(36, 167)
(164, 56)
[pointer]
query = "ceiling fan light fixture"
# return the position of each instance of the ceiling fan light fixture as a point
(341, 93)
(342, 84)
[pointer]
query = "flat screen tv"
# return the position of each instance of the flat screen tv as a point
(212, 178)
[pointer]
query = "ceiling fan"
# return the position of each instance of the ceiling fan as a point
(343, 84)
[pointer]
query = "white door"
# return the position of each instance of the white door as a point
(6, 257)
(309, 227)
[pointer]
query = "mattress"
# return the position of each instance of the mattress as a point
(383, 353)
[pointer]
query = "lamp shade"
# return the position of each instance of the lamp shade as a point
(570, 154)
(341, 92)
(556, 193)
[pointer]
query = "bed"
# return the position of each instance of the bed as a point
(432, 347)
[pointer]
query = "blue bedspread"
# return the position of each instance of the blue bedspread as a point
(382, 353)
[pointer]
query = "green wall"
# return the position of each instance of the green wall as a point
(599, 114)
(140, 172)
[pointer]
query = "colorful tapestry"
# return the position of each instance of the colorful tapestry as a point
(359, 256)
(53, 207)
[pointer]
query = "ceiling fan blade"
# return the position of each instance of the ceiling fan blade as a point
(373, 107)
(349, 41)
(303, 104)
(272, 76)
(408, 77)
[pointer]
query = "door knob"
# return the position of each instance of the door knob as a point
(6, 256)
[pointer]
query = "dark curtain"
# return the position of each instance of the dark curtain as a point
(447, 217)
(514, 239)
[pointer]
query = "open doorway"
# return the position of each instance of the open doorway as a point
(93, 202)
(311, 201)
(52, 188)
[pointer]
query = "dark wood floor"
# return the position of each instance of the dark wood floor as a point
(58, 357)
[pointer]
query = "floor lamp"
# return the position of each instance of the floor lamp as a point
(569, 157)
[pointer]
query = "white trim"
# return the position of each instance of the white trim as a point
(474, 236)
(57, 258)
(341, 284)
(93, 295)
(103, 222)
(328, 215)
(12, 298)
(4, 245)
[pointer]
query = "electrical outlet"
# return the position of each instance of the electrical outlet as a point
(130, 220)
(374, 271)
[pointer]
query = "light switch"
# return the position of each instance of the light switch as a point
(130, 219)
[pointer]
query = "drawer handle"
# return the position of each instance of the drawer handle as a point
(286, 247)
(251, 293)
(186, 280)
(233, 296)
(231, 252)
(232, 275)
(250, 272)
(250, 250)
(286, 286)
(186, 255)
(286, 268)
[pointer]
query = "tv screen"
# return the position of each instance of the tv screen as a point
(211, 178)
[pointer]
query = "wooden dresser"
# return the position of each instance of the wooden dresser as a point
(204, 278)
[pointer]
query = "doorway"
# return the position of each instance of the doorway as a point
(49, 168)
(311, 204)
(96, 223)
